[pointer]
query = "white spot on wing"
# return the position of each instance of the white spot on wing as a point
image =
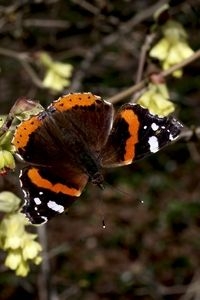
(145, 127)
(153, 143)
(154, 126)
(37, 201)
(56, 207)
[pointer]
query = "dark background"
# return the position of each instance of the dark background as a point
(151, 244)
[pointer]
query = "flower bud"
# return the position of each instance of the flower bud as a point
(7, 161)
(9, 202)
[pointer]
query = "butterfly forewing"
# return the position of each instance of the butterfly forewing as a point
(136, 133)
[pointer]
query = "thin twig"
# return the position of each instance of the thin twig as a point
(129, 91)
(193, 290)
(124, 28)
(10, 53)
(190, 133)
(194, 153)
(147, 43)
(191, 136)
(44, 277)
(45, 23)
(137, 87)
(23, 59)
(87, 6)
(182, 64)
(36, 80)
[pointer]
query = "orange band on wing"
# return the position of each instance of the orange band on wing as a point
(68, 101)
(39, 181)
(24, 130)
(132, 120)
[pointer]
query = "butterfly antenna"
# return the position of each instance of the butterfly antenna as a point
(102, 213)
(102, 187)
(122, 192)
(103, 223)
(101, 207)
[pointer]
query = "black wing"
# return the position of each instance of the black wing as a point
(136, 133)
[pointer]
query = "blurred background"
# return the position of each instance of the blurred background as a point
(150, 246)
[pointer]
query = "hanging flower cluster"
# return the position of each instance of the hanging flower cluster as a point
(20, 245)
(7, 161)
(173, 47)
(156, 99)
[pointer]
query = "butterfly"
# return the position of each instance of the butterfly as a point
(70, 142)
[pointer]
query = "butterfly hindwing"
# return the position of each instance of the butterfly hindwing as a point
(47, 194)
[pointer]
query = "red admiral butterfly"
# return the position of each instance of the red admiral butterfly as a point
(68, 144)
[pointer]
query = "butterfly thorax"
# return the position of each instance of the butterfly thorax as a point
(91, 167)
(98, 179)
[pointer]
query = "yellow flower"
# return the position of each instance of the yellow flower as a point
(54, 81)
(9, 202)
(37, 260)
(57, 74)
(7, 161)
(30, 248)
(21, 246)
(160, 50)
(13, 259)
(173, 48)
(174, 32)
(62, 69)
(22, 269)
(13, 228)
(156, 100)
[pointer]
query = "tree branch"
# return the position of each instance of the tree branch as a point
(137, 87)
